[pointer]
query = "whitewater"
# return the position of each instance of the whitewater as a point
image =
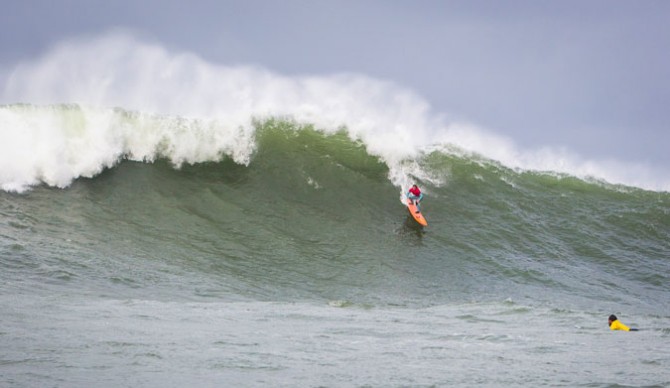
(165, 222)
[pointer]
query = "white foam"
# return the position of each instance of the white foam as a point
(190, 111)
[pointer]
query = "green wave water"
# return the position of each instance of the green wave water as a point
(314, 217)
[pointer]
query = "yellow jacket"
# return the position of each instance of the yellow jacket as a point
(616, 325)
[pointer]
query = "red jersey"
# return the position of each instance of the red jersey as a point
(415, 191)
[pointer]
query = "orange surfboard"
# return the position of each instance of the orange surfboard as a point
(416, 214)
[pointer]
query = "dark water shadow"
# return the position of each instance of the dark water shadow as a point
(410, 231)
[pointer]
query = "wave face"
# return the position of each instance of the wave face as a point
(313, 215)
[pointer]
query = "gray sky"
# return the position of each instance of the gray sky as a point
(593, 76)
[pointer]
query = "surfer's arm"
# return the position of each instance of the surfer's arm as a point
(616, 325)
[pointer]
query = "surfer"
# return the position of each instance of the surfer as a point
(616, 325)
(415, 195)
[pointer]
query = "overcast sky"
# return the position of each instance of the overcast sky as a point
(593, 76)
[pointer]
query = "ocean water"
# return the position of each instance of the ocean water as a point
(184, 244)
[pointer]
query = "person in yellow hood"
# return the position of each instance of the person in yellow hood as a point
(616, 325)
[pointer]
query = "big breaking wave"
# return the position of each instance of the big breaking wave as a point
(188, 111)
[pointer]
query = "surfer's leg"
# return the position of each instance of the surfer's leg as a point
(414, 199)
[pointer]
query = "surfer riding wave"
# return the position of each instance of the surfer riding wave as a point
(415, 195)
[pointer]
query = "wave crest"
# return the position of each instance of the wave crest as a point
(189, 111)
